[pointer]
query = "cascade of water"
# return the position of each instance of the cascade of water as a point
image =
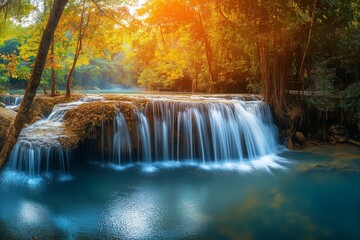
(163, 120)
(185, 146)
(193, 138)
(144, 140)
(121, 140)
(212, 130)
(102, 141)
(200, 130)
(38, 149)
(11, 101)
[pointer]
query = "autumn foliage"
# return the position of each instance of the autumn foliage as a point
(200, 46)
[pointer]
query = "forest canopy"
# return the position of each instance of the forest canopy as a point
(193, 45)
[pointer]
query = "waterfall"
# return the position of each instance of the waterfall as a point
(197, 130)
(121, 140)
(207, 131)
(144, 140)
(11, 101)
(38, 149)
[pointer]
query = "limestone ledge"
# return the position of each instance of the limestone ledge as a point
(84, 121)
(87, 121)
(90, 120)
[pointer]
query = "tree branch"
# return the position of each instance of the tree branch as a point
(4, 5)
(222, 14)
(106, 15)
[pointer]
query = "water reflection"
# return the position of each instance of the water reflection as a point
(145, 213)
(134, 216)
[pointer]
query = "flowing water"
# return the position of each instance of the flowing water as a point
(228, 132)
(315, 197)
(11, 101)
(38, 149)
(205, 169)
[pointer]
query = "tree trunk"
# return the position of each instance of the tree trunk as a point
(52, 78)
(302, 68)
(208, 52)
(78, 49)
(5, 4)
(44, 89)
(263, 56)
(194, 81)
(22, 115)
(162, 38)
(274, 54)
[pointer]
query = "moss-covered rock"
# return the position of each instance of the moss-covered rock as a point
(339, 133)
(88, 120)
(43, 105)
(7, 116)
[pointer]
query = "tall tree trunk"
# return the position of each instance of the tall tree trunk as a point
(162, 38)
(45, 6)
(208, 52)
(263, 56)
(302, 66)
(82, 27)
(44, 89)
(195, 77)
(273, 65)
(30, 92)
(52, 78)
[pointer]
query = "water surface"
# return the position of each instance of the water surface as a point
(314, 196)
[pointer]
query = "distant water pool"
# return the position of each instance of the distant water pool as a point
(314, 196)
(97, 91)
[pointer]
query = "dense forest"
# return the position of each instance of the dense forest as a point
(268, 47)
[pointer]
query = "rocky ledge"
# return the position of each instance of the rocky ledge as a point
(85, 121)
(7, 116)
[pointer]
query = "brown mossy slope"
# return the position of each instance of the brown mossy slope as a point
(43, 105)
(6, 118)
(86, 120)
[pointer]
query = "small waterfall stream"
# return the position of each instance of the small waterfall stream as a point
(121, 141)
(38, 149)
(11, 101)
(207, 130)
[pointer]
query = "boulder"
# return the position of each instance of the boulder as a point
(339, 133)
(300, 138)
(7, 116)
